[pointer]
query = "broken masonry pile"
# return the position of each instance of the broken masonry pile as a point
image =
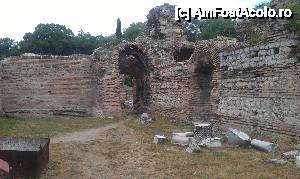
(203, 137)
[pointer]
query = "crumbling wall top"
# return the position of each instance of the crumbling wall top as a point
(161, 23)
(257, 31)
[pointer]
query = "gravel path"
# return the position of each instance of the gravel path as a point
(84, 135)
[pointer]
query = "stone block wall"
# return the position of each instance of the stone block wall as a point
(47, 85)
(259, 86)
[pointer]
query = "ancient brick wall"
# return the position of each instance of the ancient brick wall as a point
(218, 80)
(259, 86)
(126, 93)
(181, 87)
(107, 83)
(47, 85)
(1, 84)
(170, 90)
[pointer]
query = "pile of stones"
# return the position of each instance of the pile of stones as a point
(202, 137)
(236, 137)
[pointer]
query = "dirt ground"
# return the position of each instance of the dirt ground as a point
(124, 149)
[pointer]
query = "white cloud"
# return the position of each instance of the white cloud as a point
(95, 16)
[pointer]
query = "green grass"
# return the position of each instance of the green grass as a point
(7, 125)
(128, 152)
(227, 162)
(44, 127)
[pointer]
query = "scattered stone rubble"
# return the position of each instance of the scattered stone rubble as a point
(291, 154)
(194, 146)
(236, 137)
(181, 138)
(211, 142)
(240, 138)
(276, 161)
(202, 131)
(263, 145)
(297, 162)
(202, 137)
(159, 139)
(145, 118)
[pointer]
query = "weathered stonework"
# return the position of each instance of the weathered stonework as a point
(220, 80)
(126, 93)
(260, 86)
(43, 85)
(1, 84)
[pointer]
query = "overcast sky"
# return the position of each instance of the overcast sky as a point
(95, 16)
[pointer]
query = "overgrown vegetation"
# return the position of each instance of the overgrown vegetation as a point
(131, 33)
(128, 80)
(294, 5)
(56, 39)
(8, 47)
(209, 28)
(262, 4)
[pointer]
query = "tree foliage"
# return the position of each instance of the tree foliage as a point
(217, 27)
(8, 47)
(209, 28)
(294, 5)
(192, 29)
(262, 4)
(56, 39)
(128, 80)
(49, 39)
(84, 43)
(119, 29)
(133, 31)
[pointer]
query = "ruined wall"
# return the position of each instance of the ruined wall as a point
(259, 86)
(218, 80)
(170, 90)
(181, 87)
(126, 93)
(168, 52)
(47, 85)
(107, 83)
(1, 84)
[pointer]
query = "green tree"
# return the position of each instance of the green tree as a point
(109, 41)
(84, 43)
(294, 5)
(49, 39)
(209, 28)
(217, 27)
(119, 29)
(8, 47)
(133, 31)
(192, 29)
(262, 4)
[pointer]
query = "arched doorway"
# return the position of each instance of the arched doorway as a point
(133, 62)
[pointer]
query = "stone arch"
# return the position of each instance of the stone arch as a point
(202, 60)
(132, 60)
